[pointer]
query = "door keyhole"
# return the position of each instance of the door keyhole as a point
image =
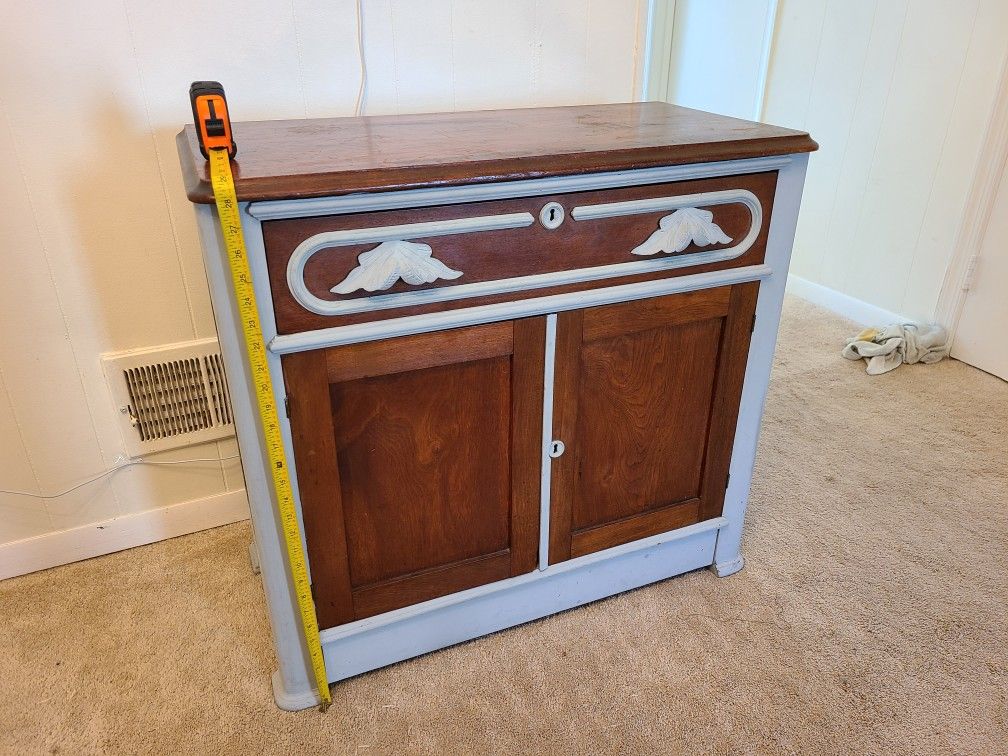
(556, 449)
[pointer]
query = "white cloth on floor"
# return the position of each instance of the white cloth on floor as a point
(887, 348)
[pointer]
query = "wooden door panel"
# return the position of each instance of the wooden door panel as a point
(424, 453)
(641, 433)
(421, 459)
(645, 399)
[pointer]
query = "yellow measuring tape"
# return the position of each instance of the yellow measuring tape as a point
(234, 243)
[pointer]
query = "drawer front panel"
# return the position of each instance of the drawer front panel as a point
(345, 269)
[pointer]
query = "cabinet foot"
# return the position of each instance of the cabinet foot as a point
(728, 567)
(293, 701)
(254, 557)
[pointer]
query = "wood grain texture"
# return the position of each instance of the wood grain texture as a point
(508, 253)
(646, 400)
(602, 323)
(527, 368)
(419, 351)
(428, 584)
(635, 527)
(424, 463)
(422, 457)
(332, 156)
(319, 486)
(724, 416)
(566, 388)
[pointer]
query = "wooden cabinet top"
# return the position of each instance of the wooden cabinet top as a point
(332, 156)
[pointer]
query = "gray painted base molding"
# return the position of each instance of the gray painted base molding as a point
(402, 634)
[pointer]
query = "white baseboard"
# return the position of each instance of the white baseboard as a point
(860, 312)
(74, 544)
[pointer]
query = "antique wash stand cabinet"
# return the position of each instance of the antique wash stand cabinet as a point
(523, 355)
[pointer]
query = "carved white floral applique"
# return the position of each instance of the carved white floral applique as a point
(379, 268)
(688, 225)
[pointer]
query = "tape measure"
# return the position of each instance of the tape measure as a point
(214, 129)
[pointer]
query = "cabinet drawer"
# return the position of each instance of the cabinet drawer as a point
(346, 269)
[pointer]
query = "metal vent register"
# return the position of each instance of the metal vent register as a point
(170, 396)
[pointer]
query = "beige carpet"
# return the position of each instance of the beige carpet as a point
(872, 616)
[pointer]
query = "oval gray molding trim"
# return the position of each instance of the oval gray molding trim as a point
(306, 249)
(313, 244)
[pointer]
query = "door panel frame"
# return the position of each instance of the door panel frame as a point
(319, 480)
(736, 305)
(738, 328)
(633, 528)
(308, 377)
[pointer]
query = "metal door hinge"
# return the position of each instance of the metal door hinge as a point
(727, 478)
(287, 405)
(752, 327)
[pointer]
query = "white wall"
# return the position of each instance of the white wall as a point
(99, 246)
(898, 93)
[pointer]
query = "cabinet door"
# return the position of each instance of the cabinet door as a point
(418, 462)
(646, 400)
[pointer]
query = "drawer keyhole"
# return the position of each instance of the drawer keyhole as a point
(551, 215)
(556, 449)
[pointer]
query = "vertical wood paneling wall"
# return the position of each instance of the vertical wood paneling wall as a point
(98, 243)
(898, 93)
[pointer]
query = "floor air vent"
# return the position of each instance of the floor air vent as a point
(170, 396)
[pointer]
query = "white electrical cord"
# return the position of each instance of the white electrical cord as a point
(359, 105)
(110, 471)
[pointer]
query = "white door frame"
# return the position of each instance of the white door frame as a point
(990, 166)
(658, 48)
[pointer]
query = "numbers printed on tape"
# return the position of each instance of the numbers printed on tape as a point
(234, 243)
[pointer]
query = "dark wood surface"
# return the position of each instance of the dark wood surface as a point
(332, 156)
(420, 463)
(645, 398)
(738, 328)
(425, 350)
(494, 255)
(313, 438)
(527, 376)
(646, 401)
(634, 527)
(566, 379)
(420, 459)
(438, 581)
